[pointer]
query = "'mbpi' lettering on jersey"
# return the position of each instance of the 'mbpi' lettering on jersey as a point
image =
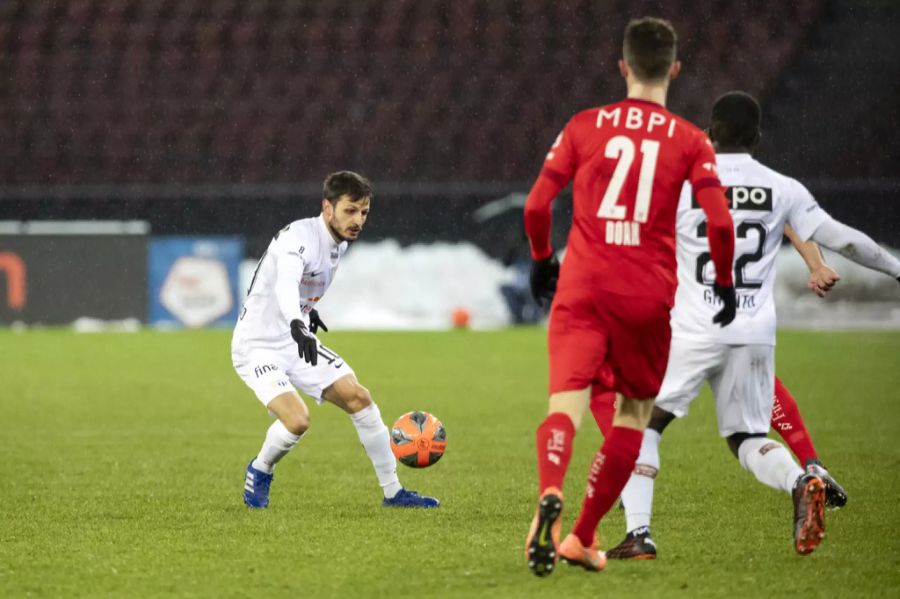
(634, 119)
(745, 198)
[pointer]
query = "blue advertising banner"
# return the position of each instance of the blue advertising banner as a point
(193, 281)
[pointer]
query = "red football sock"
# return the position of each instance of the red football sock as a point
(603, 407)
(554, 449)
(609, 472)
(787, 421)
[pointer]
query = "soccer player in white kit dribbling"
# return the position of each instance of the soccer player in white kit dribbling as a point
(274, 348)
(739, 361)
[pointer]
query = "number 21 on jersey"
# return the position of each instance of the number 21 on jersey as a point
(618, 230)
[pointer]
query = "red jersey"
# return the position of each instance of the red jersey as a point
(629, 161)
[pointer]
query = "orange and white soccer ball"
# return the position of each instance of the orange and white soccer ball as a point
(418, 439)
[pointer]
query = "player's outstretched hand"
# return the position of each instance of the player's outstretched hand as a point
(729, 305)
(822, 280)
(315, 323)
(544, 276)
(306, 343)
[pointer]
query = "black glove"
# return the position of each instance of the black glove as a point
(315, 323)
(306, 343)
(544, 276)
(729, 305)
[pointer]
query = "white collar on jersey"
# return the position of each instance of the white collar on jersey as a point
(332, 244)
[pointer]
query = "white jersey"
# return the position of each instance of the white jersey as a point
(291, 277)
(762, 201)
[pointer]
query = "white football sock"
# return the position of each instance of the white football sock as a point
(279, 441)
(638, 492)
(770, 462)
(374, 436)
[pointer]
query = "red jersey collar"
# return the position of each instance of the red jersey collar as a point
(641, 101)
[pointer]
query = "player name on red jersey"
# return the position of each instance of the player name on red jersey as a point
(634, 119)
(623, 232)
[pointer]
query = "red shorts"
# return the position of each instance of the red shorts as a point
(608, 341)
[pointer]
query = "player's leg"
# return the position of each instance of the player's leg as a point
(688, 366)
(787, 421)
(744, 392)
(603, 407)
(292, 420)
(639, 337)
(744, 395)
(771, 464)
(554, 439)
(349, 395)
(576, 348)
(264, 371)
(609, 471)
(555, 436)
(637, 495)
(332, 380)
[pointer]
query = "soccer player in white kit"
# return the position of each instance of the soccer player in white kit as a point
(739, 361)
(275, 350)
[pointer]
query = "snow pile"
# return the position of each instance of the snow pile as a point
(87, 324)
(389, 287)
(386, 286)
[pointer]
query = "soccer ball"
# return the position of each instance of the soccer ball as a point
(418, 439)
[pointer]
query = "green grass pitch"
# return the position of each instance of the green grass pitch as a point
(123, 456)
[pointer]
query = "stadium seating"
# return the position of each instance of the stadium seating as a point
(194, 91)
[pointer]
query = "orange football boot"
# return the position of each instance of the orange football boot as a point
(542, 543)
(809, 513)
(575, 554)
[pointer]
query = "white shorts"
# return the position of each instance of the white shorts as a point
(742, 378)
(271, 371)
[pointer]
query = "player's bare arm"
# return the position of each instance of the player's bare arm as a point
(822, 277)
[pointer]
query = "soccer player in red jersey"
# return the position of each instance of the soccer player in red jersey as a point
(609, 320)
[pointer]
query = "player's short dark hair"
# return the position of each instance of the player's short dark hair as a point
(347, 183)
(735, 122)
(649, 47)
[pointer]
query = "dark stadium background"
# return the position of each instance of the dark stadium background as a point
(149, 150)
(223, 116)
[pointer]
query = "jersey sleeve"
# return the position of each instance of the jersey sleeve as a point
(539, 217)
(856, 246)
(702, 171)
(559, 168)
(560, 163)
(289, 266)
(803, 212)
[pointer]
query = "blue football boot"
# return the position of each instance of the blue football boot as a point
(406, 498)
(256, 487)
